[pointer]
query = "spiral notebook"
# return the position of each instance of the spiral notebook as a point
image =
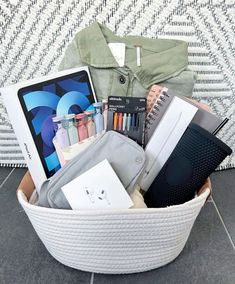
(162, 101)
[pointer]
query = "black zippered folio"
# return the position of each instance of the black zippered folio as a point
(196, 156)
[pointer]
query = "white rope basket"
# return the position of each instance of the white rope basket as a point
(114, 241)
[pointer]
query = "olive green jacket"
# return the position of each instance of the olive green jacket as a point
(163, 62)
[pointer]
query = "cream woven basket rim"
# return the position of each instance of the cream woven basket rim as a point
(23, 200)
(22, 197)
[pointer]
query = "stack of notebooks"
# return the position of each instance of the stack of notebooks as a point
(181, 148)
(166, 98)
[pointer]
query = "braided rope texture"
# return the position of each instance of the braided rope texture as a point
(35, 33)
(120, 241)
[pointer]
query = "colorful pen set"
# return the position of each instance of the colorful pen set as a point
(126, 121)
(127, 116)
(72, 128)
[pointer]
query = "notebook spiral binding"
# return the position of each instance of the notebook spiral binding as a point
(151, 117)
(154, 116)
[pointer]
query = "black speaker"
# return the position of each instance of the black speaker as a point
(195, 157)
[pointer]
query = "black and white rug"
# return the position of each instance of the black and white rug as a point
(34, 35)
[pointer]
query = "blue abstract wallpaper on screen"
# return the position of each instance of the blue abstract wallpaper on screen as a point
(60, 96)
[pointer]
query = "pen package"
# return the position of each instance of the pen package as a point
(195, 157)
(126, 115)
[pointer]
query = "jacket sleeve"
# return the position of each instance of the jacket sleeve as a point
(182, 84)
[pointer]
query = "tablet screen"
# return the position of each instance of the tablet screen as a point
(71, 93)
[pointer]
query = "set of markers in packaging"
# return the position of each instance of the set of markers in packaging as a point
(74, 128)
(126, 115)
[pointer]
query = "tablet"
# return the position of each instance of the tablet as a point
(71, 93)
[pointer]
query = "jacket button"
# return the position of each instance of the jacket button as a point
(122, 79)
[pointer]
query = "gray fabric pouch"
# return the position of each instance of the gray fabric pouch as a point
(126, 157)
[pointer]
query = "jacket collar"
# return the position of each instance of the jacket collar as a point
(161, 59)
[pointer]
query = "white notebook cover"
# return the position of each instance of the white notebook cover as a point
(165, 137)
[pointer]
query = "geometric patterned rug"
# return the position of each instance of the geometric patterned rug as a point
(35, 34)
